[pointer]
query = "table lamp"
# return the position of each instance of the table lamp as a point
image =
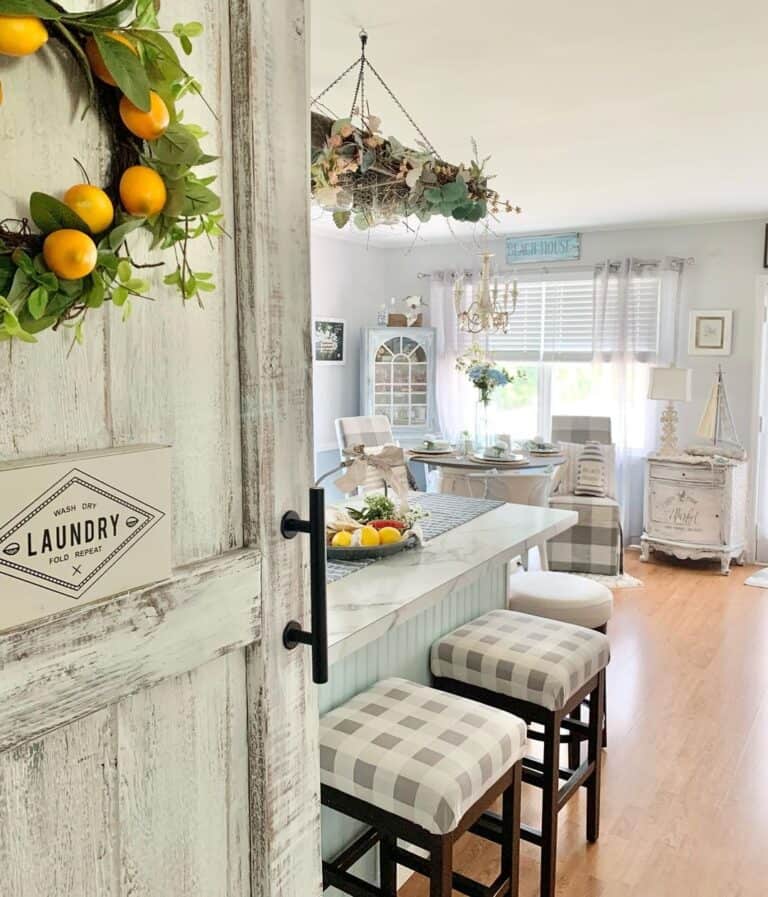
(670, 385)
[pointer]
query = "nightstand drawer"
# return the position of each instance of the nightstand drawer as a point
(678, 473)
(685, 515)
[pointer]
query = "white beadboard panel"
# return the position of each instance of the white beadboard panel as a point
(182, 761)
(57, 806)
(404, 652)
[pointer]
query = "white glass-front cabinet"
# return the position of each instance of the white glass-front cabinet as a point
(398, 379)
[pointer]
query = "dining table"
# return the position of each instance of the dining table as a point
(456, 460)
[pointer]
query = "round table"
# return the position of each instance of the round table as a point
(451, 459)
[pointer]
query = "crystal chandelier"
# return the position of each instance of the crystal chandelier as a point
(492, 305)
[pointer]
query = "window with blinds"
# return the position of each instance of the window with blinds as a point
(556, 320)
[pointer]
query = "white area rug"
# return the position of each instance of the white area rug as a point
(759, 580)
(622, 581)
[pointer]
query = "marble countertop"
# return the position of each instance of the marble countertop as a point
(366, 604)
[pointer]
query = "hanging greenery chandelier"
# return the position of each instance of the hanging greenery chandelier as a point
(367, 179)
(491, 305)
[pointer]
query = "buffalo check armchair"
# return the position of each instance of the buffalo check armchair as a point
(595, 543)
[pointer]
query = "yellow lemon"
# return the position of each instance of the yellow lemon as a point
(21, 35)
(388, 535)
(142, 191)
(92, 205)
(342, 539)
(70, 254)
(369, 536)
(147, 125)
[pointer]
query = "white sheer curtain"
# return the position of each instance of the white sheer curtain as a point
(455, 401)
(626, 295)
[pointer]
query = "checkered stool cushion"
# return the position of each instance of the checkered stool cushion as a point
(419, 753)
(529, 658)
(561, 596)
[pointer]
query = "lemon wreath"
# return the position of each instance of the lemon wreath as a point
(77, 257)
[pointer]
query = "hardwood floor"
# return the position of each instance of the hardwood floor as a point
(685, 781)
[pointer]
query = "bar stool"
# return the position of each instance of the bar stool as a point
(423, 766)
(570, 599)
(541, 670)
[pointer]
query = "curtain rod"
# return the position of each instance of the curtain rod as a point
(559, 266)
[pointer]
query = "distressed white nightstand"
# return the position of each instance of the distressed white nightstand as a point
(695, 508)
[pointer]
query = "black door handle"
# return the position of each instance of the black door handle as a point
(293, 634)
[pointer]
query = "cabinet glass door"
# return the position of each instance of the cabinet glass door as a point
(400, 382)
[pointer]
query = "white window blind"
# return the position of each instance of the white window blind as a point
(555, 321)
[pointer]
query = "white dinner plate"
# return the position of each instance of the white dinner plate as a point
(510, 461)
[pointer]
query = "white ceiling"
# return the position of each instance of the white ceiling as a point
(596, 114)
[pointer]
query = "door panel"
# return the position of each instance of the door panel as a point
(58, 801)
(184, 758)
(182, 768)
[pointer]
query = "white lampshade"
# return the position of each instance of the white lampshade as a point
(670, 384)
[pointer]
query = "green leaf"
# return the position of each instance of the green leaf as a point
(434, 195)
(178, 146)
(455, 191)
(198, 199)
(174, 203)
(146, 14)
(119, 295)
(127, 309)
(37, 302)
(94, 296)
(163, 49)
(126, 68)
(20, 287)
(49, 214)
(40, 8)
(186, 44)
(341, 219)
(116, 237)
(124, 271)
(79, 335)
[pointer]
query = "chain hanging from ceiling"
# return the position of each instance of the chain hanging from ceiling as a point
(366, 179)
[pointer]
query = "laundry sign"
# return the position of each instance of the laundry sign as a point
(76, 528)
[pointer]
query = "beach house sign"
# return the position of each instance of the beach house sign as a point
(76, 528)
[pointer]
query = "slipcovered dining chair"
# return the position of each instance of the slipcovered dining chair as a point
(371, 432)
(518, 488)
(595, 544)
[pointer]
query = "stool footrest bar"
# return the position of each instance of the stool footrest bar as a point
(347, 882)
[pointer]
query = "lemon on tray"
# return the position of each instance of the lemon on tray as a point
(342, 539)
(369, 537)
(389, 535)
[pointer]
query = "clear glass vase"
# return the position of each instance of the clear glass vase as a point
(481, 425)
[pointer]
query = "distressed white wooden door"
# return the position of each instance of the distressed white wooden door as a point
(163, 743)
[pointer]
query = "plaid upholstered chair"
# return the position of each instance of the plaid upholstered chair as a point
(372, 432)
(595, 544)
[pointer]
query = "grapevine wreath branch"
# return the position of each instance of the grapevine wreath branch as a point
(74, 255)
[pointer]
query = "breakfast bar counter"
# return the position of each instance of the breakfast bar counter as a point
(365, 605)
(382, 619)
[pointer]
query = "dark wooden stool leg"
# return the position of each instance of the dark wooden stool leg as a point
(574, 744)
(550, 786)
(510, 848)
(596, 701)
(387, 866)
(441, 874)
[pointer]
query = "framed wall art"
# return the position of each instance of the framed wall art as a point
(329, 341)
(710, 332)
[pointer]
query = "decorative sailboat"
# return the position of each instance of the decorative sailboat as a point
(716, 425)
